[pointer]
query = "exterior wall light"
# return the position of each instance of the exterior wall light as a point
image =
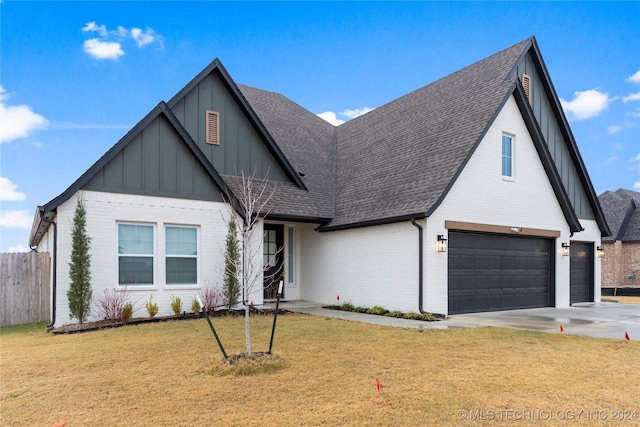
(600, 251)
(565, 249)
(441, 243)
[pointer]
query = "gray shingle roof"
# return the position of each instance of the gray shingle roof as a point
(401, 158)
(622, 211)
(308, 142)
(395, 161)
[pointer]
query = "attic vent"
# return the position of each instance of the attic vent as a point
(526, 84)
(213, 127)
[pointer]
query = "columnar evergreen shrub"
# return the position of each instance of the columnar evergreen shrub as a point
(231, 287)
(80, 293)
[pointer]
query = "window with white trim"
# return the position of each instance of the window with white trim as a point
(291, 255)
(135, 254)
(181, 255)
(507, 156)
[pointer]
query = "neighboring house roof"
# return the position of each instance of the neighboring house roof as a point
(622, 210)
(394, 163)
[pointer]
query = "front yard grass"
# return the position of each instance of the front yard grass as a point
(166, 374)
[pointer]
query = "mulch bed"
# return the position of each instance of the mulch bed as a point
(76, 328)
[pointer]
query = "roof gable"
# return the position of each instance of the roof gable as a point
(247, 145)
(400, 159)
(118, 169)
(622, 211)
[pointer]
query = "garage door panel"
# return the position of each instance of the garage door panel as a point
(489, 272)
(581, 276)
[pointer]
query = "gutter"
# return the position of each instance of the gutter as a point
(421, 271)
(420, 265)
(54, 281)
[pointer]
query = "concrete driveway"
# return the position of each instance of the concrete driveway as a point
(602, 320)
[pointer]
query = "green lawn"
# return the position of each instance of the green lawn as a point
(169, 374)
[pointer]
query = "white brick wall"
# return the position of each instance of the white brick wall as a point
(105, 210)
(379, 265)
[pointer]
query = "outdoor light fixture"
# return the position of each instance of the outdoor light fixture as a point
(565, 249)
(441, 243)
(600, 251)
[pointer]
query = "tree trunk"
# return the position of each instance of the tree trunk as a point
(246, 328)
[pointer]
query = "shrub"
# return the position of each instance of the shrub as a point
(428, 317)
(110, 305)
(412, 315)
(395, 313)
(347, 306)
(127, 312)
(231, 288)
(176, 305)
(80, 293)
(152, 307)
(195, 306)
(360, 309)
(376, 309)
(211, 298)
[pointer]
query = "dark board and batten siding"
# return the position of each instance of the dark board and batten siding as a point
(156, 162)
(556, 141)
(241, 148)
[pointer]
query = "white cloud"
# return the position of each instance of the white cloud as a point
(636, 185)
(17, 121)
(635, 113)
(101, 49)
(142, 38)
(332, 117)
(631, 97)
(635, 78)
(614, 129)
(92, 27)
(110, 43)
(352, 114)
(8, 191)
(611, 160)
(18, 248)
(15, 219)
(586, 104)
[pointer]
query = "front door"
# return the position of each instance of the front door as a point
(273, 256)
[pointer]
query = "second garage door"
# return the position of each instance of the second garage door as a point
(490, 272)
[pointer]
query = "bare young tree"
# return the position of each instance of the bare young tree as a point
(253, 196)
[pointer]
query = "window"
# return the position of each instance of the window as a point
(135, 254)
(291, 255)
(212, 127)
(507, 156)
(181, 250)
(270, 248)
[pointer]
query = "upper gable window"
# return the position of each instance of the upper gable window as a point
(212, 124)
(507, 155)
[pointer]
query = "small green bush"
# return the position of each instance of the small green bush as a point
(347, 306)
(152, 307)
(412, 315)
(428, 317)
(127, 312)
(395, 313)
(376, 309)
(360, 309)
(195, 306)
(176, 305)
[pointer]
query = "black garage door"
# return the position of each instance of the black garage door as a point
(489, 272)
(581, 272)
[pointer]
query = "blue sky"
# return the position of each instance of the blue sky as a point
(76, 76)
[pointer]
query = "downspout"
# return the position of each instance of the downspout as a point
(54, 281)
(420, 264)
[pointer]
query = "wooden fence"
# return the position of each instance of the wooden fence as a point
(24, 288)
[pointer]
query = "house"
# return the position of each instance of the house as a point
(621, 261)
(466, 195)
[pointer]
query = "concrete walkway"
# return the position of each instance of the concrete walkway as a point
(602, 320)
